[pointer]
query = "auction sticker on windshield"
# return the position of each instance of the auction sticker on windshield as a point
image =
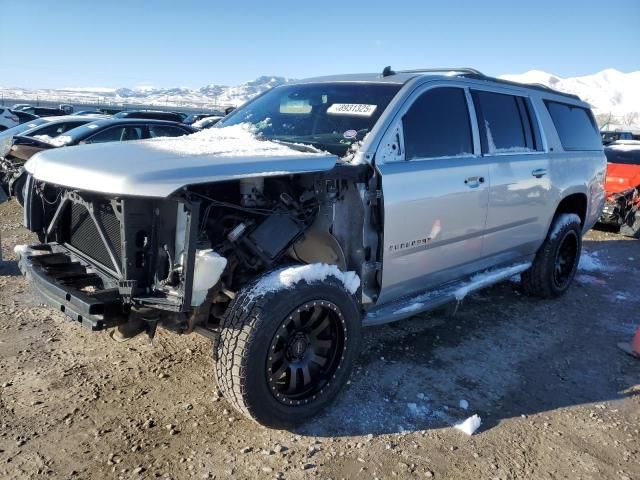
(352, 109)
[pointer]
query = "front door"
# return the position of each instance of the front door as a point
(435, 195)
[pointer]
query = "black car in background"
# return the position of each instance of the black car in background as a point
(153, 115)
(45, 111)
(24, 117)
(25, 145)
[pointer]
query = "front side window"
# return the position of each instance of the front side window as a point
(576, 126)
(117, 134)
(437, 125)
(330, 116)
(58, 128)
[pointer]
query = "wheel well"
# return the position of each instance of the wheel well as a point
(575, 203)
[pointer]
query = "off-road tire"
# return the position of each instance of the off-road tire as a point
(539, 281)
(247, 330)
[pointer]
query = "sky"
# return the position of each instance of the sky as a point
(191, 43)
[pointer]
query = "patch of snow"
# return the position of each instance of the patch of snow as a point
(418, 410)
(233, 141)
(490, 277)
(463, 404)
(58, 141)
(470, 425)
(589, 262)
(410, 308)
(590, 280)
(561, 222)
(491, 145)
(315, 272)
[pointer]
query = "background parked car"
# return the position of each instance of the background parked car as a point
(87, 130)
(153, 115)
(8, 119)
(89, 112)
(44, 111)
(207, 122)
(610, 137)
(21, 142)
(6, 136)
(195, 117)
(24, 117)
(20, 106)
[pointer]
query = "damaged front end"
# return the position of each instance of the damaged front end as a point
(140, 262)
(105, 261)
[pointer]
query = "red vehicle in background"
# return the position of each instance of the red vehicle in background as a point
(622, 208)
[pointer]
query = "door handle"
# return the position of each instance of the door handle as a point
(539, 172)
(473, 181)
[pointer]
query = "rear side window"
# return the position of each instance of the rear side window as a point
(576, 126)
(505, 123)
(165, 131)
(437, 125)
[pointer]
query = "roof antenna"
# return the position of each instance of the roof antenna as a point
(387, 72)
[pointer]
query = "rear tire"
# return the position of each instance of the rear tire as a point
(556, 262)
(283, 356)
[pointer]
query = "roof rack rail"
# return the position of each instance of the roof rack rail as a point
(465, 70)
(476, 74)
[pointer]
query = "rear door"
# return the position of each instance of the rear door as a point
(435, 193)
(520, 187)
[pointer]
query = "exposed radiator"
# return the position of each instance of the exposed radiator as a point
(83, 233)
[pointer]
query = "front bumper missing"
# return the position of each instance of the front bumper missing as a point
(59, 280)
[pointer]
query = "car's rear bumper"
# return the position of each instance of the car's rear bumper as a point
(56, 277)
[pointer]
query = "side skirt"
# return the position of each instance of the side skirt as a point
(455, 292)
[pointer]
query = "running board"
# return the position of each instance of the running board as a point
(426, 301)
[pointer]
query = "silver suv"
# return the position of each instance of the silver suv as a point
(317, 208)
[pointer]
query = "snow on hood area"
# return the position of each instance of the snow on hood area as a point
(159, 167)
(58, 141)
(233, 141)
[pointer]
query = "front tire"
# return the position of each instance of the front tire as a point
(283, 356)
(556, 263)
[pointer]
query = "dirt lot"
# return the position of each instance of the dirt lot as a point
(556, 397)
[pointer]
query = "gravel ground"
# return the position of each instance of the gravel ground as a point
(556, 397)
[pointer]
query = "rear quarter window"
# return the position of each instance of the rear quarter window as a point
(576, 126)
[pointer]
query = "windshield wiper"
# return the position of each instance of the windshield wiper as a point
(297, 146)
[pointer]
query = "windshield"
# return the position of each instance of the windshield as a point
(329, 116)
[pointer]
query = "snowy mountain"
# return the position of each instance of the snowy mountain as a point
(208, 96)
(610, 92)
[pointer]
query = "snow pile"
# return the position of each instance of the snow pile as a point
(315, 272)
(418, 410)
(470, 425)
(463, 404)
(59, 141)
(233, 141)
(589, 262)
(490, 277)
